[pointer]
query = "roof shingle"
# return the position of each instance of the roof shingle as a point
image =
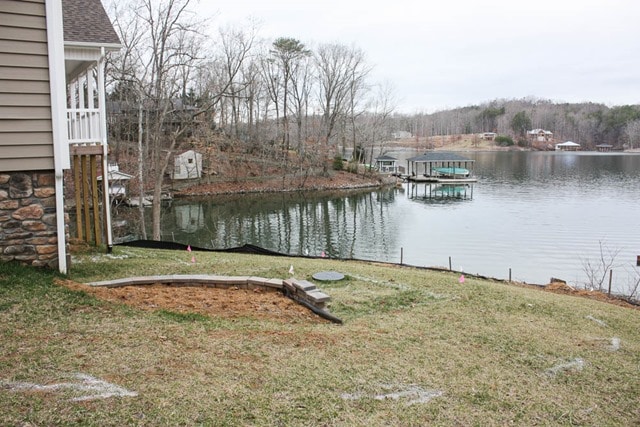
(86, 21)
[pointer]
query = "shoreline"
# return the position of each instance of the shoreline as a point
(336, 181)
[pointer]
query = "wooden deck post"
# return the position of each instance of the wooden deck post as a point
(94, 196)
(78, 190)
(85, 197)
(87, 194)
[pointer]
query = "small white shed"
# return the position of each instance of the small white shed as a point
(187, 165)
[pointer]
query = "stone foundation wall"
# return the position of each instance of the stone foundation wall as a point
(28, 218)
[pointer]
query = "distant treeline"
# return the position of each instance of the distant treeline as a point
(588, 124)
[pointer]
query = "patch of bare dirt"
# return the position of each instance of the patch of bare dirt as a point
(213, 302)
(563, 288)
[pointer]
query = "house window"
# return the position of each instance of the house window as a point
(176, 169)
(190, 161)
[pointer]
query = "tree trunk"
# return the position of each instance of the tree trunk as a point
(156, 205)
(143, 226)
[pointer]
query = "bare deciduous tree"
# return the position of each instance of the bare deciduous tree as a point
(380, 109)
(162, 44)
(632, 132)
(596, 271)
(287, 53)
(129, 81)
(301, 85)
(224, 74)
(340, 70)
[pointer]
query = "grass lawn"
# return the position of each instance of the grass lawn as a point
(416, 348)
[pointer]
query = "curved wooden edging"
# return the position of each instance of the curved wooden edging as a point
(301, 291)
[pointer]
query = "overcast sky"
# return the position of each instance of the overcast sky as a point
(451, 53)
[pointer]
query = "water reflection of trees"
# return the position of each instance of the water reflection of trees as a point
(336, 225)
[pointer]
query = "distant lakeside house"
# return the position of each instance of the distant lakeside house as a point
(539, 135)
(123, 117)
(488, 136)
(386, 164)
(52, 116)
(401, 134)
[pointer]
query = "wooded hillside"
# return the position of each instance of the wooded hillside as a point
(588, 124)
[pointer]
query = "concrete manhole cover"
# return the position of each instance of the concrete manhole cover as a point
(328, 276)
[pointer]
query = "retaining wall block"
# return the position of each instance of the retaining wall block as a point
(317, 297)
(299, 285)
(269, 283)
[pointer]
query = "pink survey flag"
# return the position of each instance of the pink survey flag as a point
(193, 259)
(323, 254)
(188, 248)
(461, 278)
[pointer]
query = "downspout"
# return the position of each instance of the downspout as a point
(57, 78)
(105, 149)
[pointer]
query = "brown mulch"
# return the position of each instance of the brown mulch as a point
(213, 302)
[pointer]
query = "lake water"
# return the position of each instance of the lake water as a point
(540, 214)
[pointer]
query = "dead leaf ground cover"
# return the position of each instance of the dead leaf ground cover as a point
(336, 180)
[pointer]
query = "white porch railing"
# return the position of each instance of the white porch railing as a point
(84, 126)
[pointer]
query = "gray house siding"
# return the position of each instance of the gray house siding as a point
(28, 218)
(26, 140)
